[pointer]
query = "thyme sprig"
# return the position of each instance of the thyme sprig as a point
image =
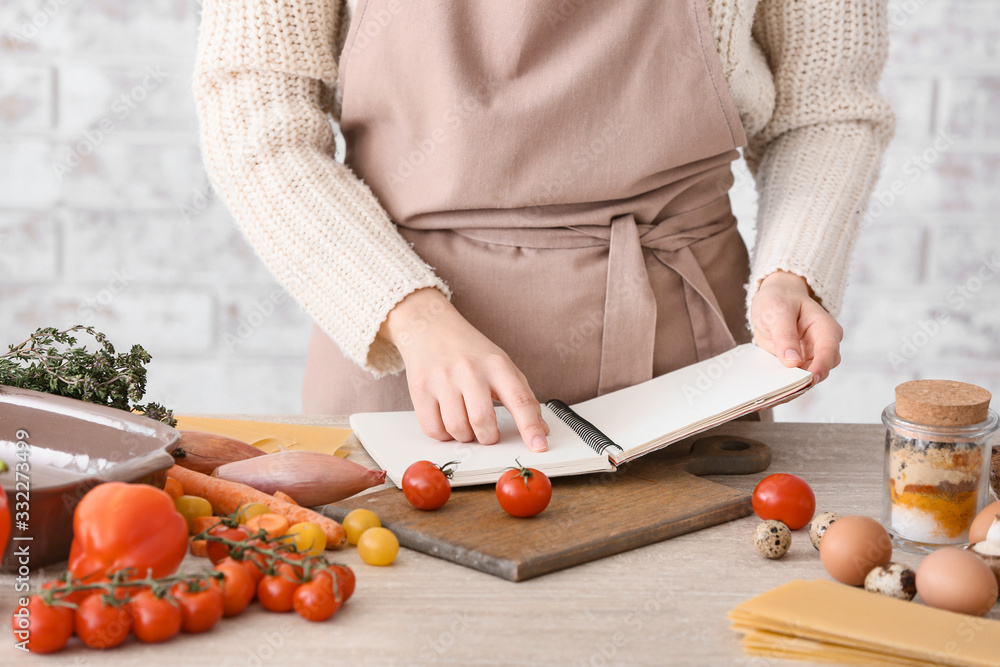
(48, 361)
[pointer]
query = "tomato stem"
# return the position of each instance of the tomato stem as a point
(523, 473)
(448, 472)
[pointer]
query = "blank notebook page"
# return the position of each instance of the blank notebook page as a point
(647, 411)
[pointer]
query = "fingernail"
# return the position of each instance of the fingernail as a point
(538, 444)
(793, 355)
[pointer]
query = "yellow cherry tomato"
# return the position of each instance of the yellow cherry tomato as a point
(378, 546)
(191, 507)
(357, 522)
(246, 512)
(307, 538)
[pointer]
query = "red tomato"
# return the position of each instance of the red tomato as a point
(785, 498)
(118, 525)
(201, 605)
(296, 570)
(99, 625)
(276, 591)
(217, 552)
(250, 566)
(524, 492)
(154, 619)
(426, 485)
(46, 629)
(345, 580)
(315, 600)
(238, 588)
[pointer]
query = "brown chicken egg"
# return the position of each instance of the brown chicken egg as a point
(982, 522)
(852, 546)
(956, 580)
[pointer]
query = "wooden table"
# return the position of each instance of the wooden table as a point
(662, 604)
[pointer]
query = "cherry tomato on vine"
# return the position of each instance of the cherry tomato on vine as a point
(201, 605)
(785, 498)
(315, 601)
(154, 619)
(426, 484)
(217, 552)
(250, 564)
(238, 589)
(45, 628)
(345, 579)
(524, 492)
(276, 591)
(100, 625)
(75, 597)
(307, 538)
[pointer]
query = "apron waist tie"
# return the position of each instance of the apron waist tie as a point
(630, 305)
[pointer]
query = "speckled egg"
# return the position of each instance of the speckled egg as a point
(819, 525)
(894, 580)
(772, 539)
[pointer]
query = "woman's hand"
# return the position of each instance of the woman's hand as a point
(792, 326)
(455, 373)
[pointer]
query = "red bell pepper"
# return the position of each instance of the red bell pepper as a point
(118, 525)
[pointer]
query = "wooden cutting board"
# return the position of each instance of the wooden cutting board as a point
(590, 516)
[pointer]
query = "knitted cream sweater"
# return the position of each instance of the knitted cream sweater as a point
(803, 74)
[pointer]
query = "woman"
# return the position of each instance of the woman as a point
(534, 202)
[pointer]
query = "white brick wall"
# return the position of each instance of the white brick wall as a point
(106, 216)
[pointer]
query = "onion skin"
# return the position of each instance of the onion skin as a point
(310, 478)
(204, 452)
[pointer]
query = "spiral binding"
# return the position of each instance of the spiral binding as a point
(583, 428)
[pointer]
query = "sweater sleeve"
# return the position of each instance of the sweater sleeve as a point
(818, 157)
(264, 84)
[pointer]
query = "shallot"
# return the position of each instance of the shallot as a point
(310, 478)
(204, 452)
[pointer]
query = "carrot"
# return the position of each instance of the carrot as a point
(200, 524)
(226, 497)
(199, 548)
(173, 488)
(273, 525)
(281, 495)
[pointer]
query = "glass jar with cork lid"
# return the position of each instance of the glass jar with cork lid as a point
(937, 462)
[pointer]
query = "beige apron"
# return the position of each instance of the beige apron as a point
(564, 167)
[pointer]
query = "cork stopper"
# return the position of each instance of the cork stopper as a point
(942, 403)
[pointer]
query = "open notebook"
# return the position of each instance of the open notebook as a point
(603, 432)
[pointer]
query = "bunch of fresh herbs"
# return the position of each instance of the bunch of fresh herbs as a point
(48, 361)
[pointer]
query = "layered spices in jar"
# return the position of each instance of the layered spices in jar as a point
(937, 462)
